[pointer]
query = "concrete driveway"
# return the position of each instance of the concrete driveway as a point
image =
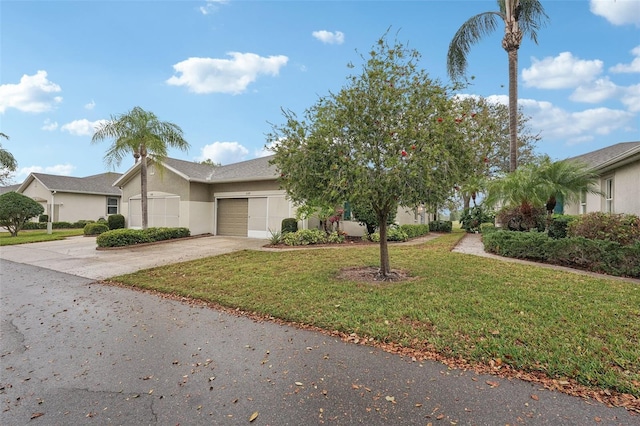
(78, 255)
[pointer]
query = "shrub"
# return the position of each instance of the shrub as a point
(275, 237)
(43, 218)
(441, 226)
(486, 228)
(64, 225)
(513, 219)
(414, 231)
(289, 224)
(366, 216)
(557, 226)
(472, 218)
(122, 237)
(115, 221)
(621, 228)
(304, 237)
(95, 228)
(394, 233)
(128, 237)
(335, 237)
(607, 257)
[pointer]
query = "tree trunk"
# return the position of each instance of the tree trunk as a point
(511, 43)
(384, 247)
(143, 189)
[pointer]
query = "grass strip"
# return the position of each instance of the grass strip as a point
(38, 236)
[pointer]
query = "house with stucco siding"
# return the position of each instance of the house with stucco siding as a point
(239, 199)
(618, 168)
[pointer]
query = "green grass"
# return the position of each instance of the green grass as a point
(564, 325)
(36, 236)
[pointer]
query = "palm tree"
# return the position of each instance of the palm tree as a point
(540, 184)
(8, 163)
(141, 133)
(520, 17)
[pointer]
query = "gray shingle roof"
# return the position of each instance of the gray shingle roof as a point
(9, 188)
(602, 156)
(101, 184)
(256, 169)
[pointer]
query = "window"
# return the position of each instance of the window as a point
(608, 195)
(112, 205)
(583, 202)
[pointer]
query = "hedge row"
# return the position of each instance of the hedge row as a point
(441, 226)
(56, 225)
(576, 252)
(414, 231)
(128, 237)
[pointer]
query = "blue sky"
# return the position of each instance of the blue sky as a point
(222, 70)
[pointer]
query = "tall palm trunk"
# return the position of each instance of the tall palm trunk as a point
(511, 43)
(143, 187)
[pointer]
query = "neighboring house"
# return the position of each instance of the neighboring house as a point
(70, 199)
(240, 199)
(9, 188)
(618, 167)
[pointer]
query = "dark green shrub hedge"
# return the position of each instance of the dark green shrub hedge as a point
(128, 237)
(621, 228)
(414, 231)
(441, 226)
(95, 228)
(607, 257)
(289, 224)
(558, 225)
(43, 218)
(115, 221)
(55, 225)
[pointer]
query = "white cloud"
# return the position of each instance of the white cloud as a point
(223, 152)
(634, 66)
(617, 12)
(329, 37)
(49, 125)
(573, 127)
(82, 127)
(595, 92)
(59, 169)
(91, 105)
(212, 75)
(34, 93)
(631, 98)
(211, 6)
(266, 150)
(560, 72)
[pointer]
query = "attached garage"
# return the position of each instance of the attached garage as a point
(163, 211)
(233, 217)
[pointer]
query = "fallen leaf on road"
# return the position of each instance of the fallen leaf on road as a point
(299, 384)
(36, 415)
(390, 399)
(253, 417)
(535, 397)
(492, 384)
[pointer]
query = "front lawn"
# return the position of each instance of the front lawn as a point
(575, 333)
(37, 235)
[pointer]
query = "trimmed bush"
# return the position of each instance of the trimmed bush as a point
(95, 228)
(394, 233)
(558, 225)
(128, 237)
(414, 231)
(336, 237)
(486, 228)
(304, 237)
(472, 218)
(115, 221)
(441, 226)
(289, 224)
(43, 218)
(607, 257)
(621, 228)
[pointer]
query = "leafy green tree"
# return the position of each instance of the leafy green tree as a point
(485, 126)
(16, 209)
(141, 133)
(539, 184)
(520, 17)
(8, 163)
(366, 216)
(387, 138)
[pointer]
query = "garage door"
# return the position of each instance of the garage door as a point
(162, 212)
(233, 216)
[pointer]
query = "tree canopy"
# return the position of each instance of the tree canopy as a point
(387, 138)
(8, 163)
(16, 209)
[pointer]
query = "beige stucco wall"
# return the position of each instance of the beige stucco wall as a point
(69, 207)
(626, 192)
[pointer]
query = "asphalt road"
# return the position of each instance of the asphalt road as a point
(75, 352)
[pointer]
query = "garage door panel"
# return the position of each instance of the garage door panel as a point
(232, 217)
